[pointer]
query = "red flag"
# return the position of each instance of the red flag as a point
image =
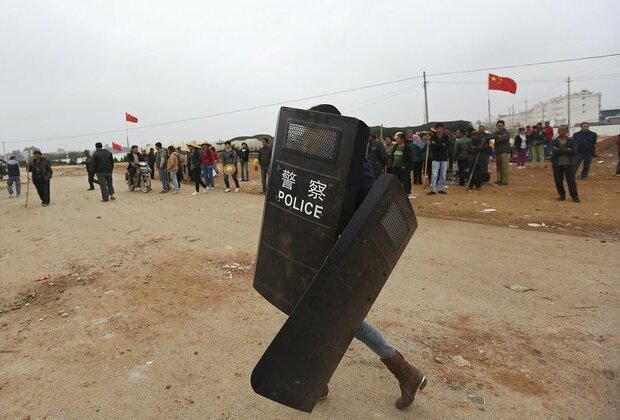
(130, 118)
(116, 146)
(502, 83)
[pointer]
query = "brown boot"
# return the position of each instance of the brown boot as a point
(324, 393)
(409, 378)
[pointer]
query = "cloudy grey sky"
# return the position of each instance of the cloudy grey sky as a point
(71, 67)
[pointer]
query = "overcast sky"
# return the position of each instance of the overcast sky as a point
(72, 67)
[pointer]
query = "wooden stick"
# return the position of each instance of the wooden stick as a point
(428, 146)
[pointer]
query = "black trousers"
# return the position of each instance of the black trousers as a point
(403, 176)
(429, 169)
(198, 182)
(476, 177)
(417, 172)
(463, 165)
(565, 171)
(43, 189)
(235, 180)
(105, 183)
(91, 180)
(152, 165)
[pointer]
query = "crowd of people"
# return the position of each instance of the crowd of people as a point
(436, 154)
(434, 157)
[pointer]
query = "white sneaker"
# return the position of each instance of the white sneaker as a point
(236, 189)
(195, 193)
(205, 190)
(227, 190)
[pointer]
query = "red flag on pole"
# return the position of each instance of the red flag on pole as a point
(116, 146)
(130, 118)
(502, 83)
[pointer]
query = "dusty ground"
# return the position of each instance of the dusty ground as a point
(148, 311)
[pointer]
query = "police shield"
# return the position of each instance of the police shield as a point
(313, 185)
(301, 359)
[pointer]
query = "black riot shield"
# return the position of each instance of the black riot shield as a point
(313, 185)
(306, 351)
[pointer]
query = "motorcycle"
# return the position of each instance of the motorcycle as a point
(141, 178)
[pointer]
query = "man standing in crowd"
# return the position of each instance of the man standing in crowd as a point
(478, 148)
(103, 166)
(150, 159)
(461, 154)
(160, 162)
(389, 153)
(41, 175)
(207, 160)
(244, 158)
(264, 160)
(172, 166)
(484, 158)
(399, 163)
(585, 142)
(88, 162)
(563, 152)
(194, 162)
(229, 157)
(439, 144)
(418, 149)
(502, 152)
(548, 138)
(376, 155)
(12, 166)
(537, 139)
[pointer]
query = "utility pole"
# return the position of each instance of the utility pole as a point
(526, 112)
(568, 117)
(424, 83)
(4, 149)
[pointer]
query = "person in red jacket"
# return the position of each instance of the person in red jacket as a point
(207, 161)
(548, 132)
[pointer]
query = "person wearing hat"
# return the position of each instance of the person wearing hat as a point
(207, 160)
(41, 175)
(194, 162)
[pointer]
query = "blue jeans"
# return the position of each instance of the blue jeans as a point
(264, 172)
(175, 180)
(207, 174)
(587, 161)
(370, 336)
(163, 177)
(18, 185)
(438, 177)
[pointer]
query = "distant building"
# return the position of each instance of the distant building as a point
(584, 106)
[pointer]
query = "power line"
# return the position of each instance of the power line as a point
(338, 92)
(594, 77)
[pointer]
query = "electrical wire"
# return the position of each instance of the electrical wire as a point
(323, 95)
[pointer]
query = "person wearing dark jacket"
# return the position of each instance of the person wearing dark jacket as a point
(264, 160)
(244, 158)
(41, 174)
(133, 158)
(585, 146)
(103, 166)
(229, 157)
(439, 145)
(376, 155)
(478, 150)
(537, 139)
(150, 159)
(88, 161)
(562, 157)
(418, 150)
(462, 155)
(194, 162)
(401, 156)
(12, 166)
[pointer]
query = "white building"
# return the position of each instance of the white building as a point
(584, 106)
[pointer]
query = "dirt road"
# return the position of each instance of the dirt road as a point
(149, 312)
